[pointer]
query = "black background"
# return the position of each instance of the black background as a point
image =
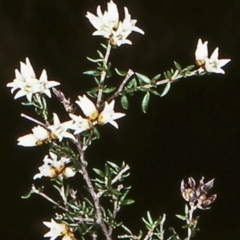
(193, 131)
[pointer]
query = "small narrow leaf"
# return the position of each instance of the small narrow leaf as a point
(100, 54)
(127, 202)
(177, 66)
(120, 73)
(94, 60)
(181, 217)
(166, 89)
(186, 209)
(103, 45)
(92, 73)
(115, 166)
(126, 229)
(124, 102)
(27, 195)
(99, 172)
(156, 78)
(149, 217)
(145, 102)
(143, 78)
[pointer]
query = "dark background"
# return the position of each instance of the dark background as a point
(193, 131)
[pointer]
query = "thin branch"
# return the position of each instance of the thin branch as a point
(130, 73)
(94, 236)
(95, 198)
(32, 119)
(161, 226)
(149, 234)
(189, 220)
(35, 190)
(116, 208)
(118, 176)
(103, 75)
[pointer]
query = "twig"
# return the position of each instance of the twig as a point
(32, 119)
(189, 220)
(149, 234)
(161, 226)
(130, 73)
(95, 198)
(35, 190)
(94, 236)
(65, 102)
(103, 75)
(116, 209)
(118, 176)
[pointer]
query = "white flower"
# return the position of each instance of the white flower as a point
(53, 167)
(201, 53)
(87, 107)
(59, 130)
(79, 124)
(56, 229)
(27, 84)
(214, 64)
(108, 115)
(109, 26)
(38, 137)
(44, 84)
(104, 22)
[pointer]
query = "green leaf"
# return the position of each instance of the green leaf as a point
(186, 209)
(166, 89)
(142, 78)
(132, 83)
(149, 217)
(100, 54)
(127, 202)
(181, 217)
(94, 60)
(27, 103)
(96, 133)
(155, 92)
(115, 166)
(145, 102)
(191, 67)
(104, 46)
(177, 66)
(99, 172)
(156, 78)
(120, 73)
(27, 195)
(92, 73)
(109, 90)
(124, 102)
(126, 229)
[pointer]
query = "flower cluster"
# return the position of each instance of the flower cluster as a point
(212, 64)
(94, 116)
(198, 195)
(53, 167)
(38, 137)
(107, 24)
(58, 230)
(27, 84)
(77, 123)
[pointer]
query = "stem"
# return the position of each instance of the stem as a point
(103, 75)
(100, 193)
(32, 119)
(35, 190)
(189, 220)
(161, 226)
(130, 73)
(95, 198)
